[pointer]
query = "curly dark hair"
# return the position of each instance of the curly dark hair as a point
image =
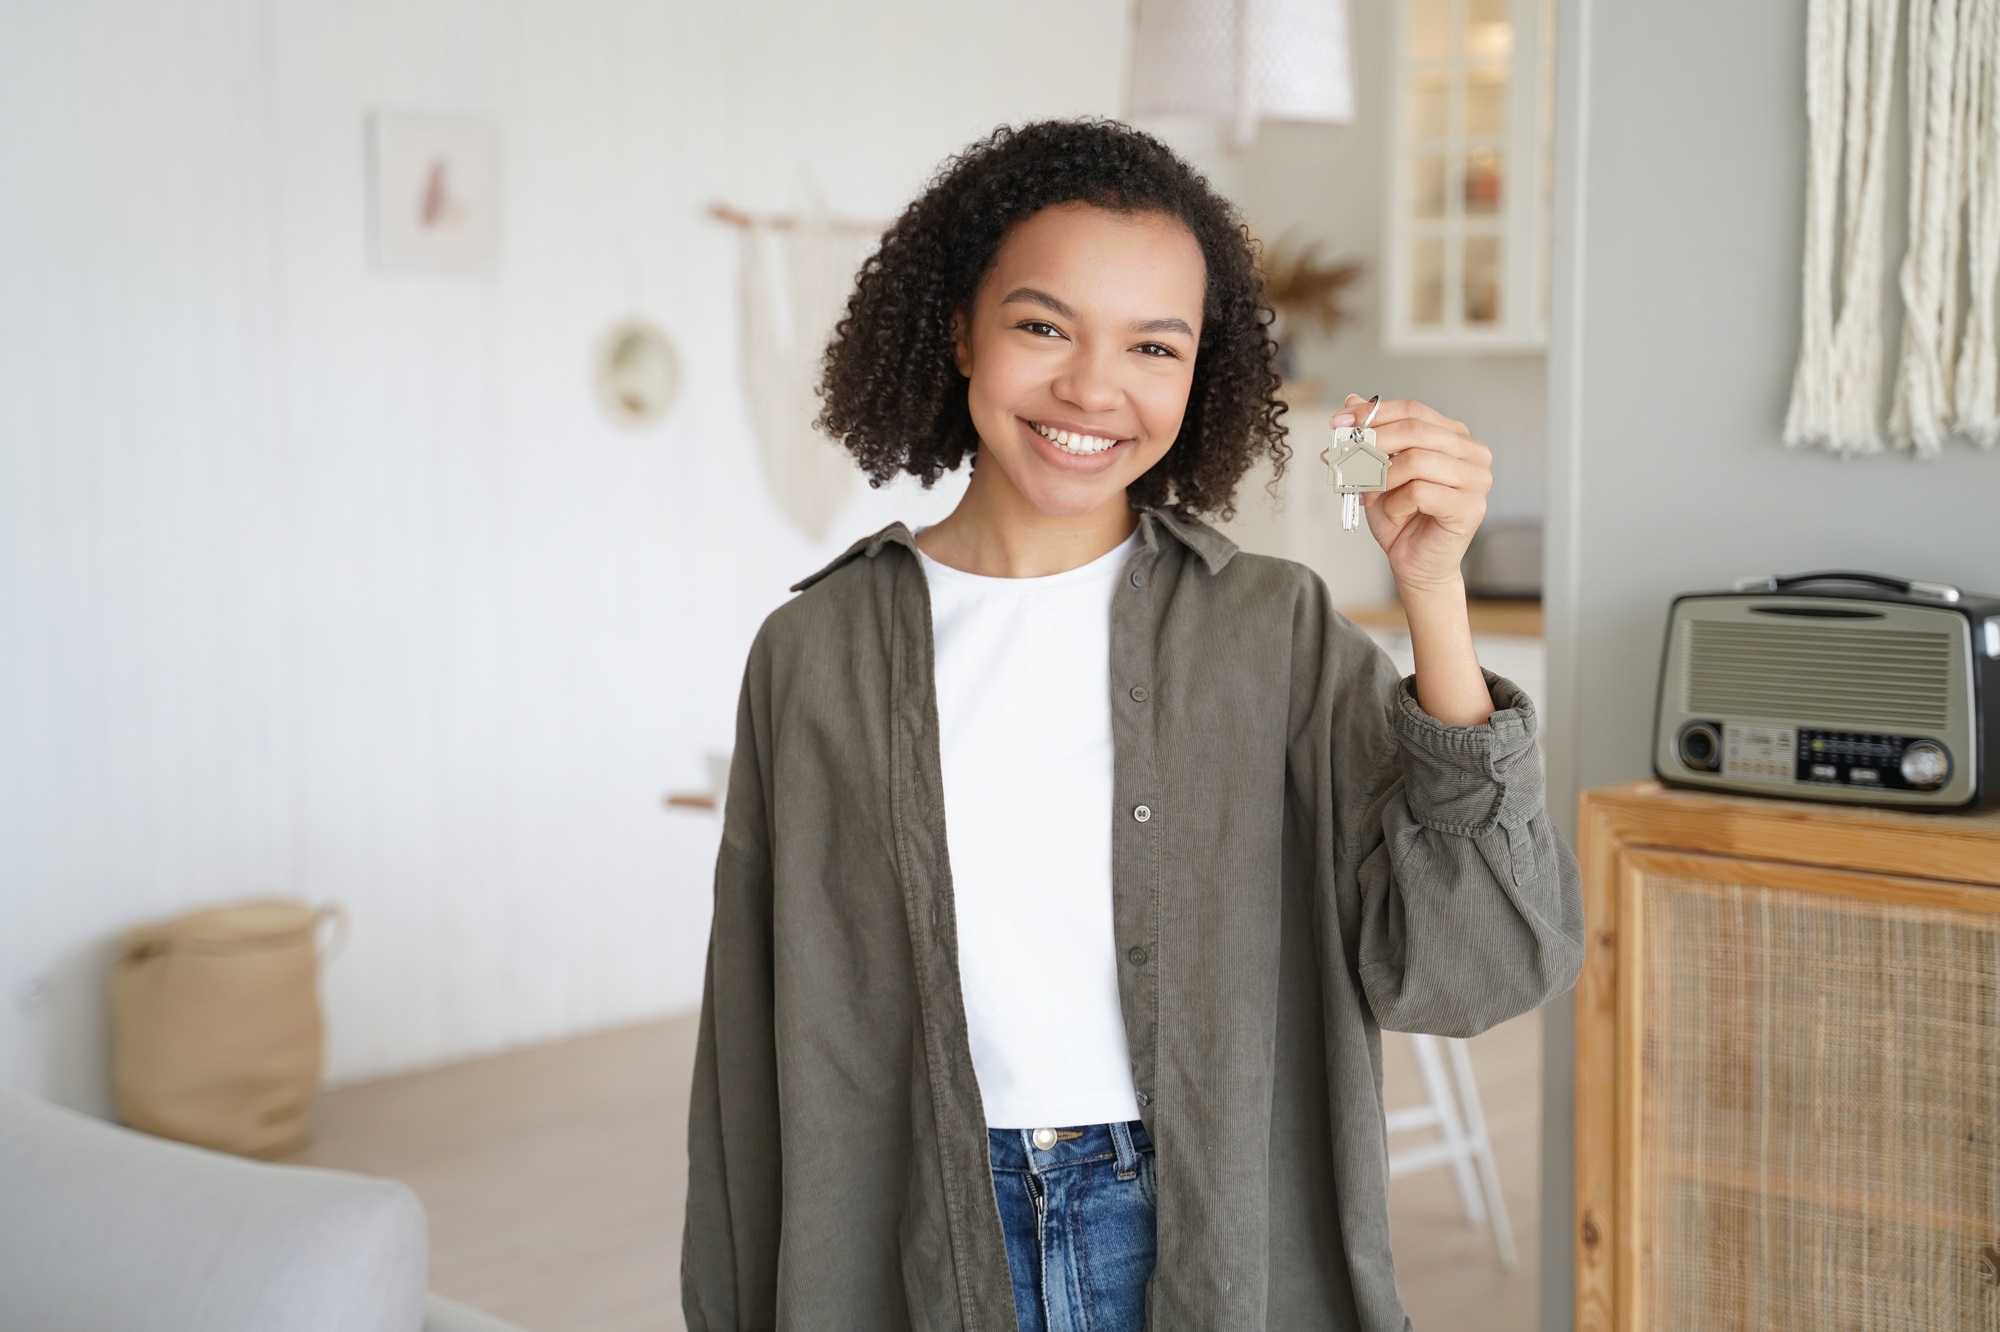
(893, 394)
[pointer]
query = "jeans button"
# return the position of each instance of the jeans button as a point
(1045, 1138)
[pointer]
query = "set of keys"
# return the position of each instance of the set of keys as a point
(1355, 467)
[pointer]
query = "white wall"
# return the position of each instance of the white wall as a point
(327, 582)
(1681, 185)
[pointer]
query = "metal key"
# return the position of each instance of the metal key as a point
(1355, 467)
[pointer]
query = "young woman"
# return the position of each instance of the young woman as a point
(1073, 860)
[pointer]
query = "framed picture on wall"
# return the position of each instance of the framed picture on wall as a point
(434, 191)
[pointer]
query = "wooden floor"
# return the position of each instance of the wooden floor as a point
(554, 1178)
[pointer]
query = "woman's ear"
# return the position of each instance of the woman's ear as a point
(961, 343)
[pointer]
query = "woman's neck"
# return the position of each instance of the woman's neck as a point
(996, 533)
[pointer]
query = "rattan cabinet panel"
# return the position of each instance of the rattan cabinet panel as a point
(1788, 1067)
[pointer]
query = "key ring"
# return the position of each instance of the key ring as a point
(1374, 406)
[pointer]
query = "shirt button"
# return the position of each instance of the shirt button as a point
(1140, 693)
(1138, 956)
(1142, 813)
(1144, 1100)
(1138, 578)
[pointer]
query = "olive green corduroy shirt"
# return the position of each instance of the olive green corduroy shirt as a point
(1301, 856)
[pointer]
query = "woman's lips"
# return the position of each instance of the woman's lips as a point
(1098, 453)
(1076, 441)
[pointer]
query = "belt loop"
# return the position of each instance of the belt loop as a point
(1128, 1155)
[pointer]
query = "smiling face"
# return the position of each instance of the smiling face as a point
(1079, 351)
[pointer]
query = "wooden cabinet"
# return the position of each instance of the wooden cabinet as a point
(1787, 1066)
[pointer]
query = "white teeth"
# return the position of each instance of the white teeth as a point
(1071, 442)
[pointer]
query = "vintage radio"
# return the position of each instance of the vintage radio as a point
(1849, 687)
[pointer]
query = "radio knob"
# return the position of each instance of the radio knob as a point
(1700, 747)
(1926, 765)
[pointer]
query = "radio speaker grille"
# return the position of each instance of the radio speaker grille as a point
(1820, 674)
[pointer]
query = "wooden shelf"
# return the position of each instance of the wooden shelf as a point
(1519, 618)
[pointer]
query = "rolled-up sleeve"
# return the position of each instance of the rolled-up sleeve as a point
(1471, 906)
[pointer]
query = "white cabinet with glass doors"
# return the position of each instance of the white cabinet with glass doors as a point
(1467, 230)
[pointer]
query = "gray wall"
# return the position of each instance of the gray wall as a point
(1680, 205)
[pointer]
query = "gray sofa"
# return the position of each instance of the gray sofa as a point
(106, 1230)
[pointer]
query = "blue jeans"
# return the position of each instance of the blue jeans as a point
(1079, 1221)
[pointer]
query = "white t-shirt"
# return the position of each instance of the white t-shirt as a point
(1024, 711)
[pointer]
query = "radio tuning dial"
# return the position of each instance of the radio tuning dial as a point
(1926, 765)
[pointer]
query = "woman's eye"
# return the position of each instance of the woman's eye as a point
(1039, 328)
(1156, 349)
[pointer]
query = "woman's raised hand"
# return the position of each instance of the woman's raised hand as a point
(1439, 476)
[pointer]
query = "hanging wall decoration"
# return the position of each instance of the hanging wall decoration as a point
(1946, 379)
(797, 274)
(1945, 374)
(638, 373)
(434, 188)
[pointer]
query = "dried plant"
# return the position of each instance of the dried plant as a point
(1304, 290)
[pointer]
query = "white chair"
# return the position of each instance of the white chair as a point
(1462, 1142)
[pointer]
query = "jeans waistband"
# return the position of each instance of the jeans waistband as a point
(1014, 1149)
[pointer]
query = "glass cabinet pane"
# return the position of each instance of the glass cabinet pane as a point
(1430, 100)
(1482, 279)
(1485, 102)
(1430, 29)
(1427, 191)
(1485, 181)
(1489, 29)
(1427, 280)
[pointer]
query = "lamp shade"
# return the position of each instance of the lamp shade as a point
(1243, 61)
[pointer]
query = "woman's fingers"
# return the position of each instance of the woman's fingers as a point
(1411, 433)
(1457, 510)
(1457, 471)
(1403, 409)
(1420, 428)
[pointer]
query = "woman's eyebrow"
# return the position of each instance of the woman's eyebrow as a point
(1036, 296)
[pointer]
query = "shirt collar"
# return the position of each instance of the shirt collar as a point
(1214, 549)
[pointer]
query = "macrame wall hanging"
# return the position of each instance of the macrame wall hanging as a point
(797, 274)
(1947, 376)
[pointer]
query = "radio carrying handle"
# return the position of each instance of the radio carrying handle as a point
(1907, 586)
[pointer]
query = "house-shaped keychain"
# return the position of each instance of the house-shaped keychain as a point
(1355, 467)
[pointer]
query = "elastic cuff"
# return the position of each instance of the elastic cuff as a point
(1466, 779)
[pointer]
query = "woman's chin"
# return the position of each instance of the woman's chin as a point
(1057, 484)
(1070, 495)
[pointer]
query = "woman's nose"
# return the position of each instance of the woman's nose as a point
(1088, 382)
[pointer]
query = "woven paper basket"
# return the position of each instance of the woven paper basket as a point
(217, 1034)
